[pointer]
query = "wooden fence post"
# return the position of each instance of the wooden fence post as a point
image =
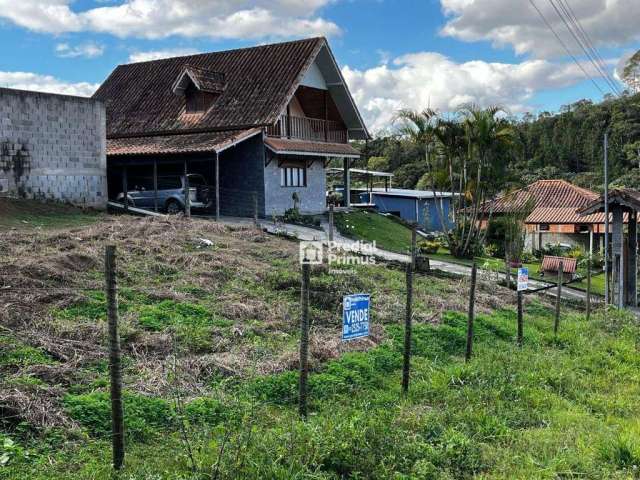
(414, 233)
(155, 185)
(187, 193)
(507, 269)
(407, 331)
(125, 188)
(556, 324)
(471, 316)
(304, 341)
(115, 371)
(331, 222)
(255, 209)
(589, 288)
(520, 320)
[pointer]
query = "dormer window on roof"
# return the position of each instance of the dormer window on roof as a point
(199, 87)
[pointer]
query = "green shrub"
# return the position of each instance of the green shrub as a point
(205, 411)
(578, 252)
(556, 250)
(294, 216)
(491, 250)
(279, 388)
(528, 257)
(142, 415)
(351, 371)
(429, 246)
(496, 235)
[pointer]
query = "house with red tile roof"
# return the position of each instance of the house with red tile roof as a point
(554, 217)
(259, 124)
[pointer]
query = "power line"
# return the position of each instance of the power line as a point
(569, 21)
(564, 45)
(589, 41)
(582, 43)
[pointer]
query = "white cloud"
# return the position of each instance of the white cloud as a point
(45, 83)
(518, 24)
(429, 79)
(244, 19)
(159, 54)
(87, 50)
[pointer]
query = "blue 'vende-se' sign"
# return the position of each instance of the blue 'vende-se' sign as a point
(355, 316)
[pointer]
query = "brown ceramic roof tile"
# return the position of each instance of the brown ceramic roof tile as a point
(187, 143)
(555, 201)
(284, 145)
(626, 197)
(562, 215)
(207, 80)
(259, 81)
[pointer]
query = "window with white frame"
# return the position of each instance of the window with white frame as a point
(293, 176)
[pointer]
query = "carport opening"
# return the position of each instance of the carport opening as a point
(137, 178)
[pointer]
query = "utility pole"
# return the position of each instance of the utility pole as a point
(606, 220)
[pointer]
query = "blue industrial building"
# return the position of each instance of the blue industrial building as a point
(414, 206)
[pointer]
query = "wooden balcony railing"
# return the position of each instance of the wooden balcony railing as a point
(312, 129)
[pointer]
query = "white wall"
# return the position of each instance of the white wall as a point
(314, 78)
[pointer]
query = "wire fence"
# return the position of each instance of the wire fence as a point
(398, 295)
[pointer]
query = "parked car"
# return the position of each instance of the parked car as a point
(170, 193)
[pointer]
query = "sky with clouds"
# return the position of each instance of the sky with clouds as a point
(394, 53)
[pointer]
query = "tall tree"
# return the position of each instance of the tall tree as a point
(631, 73)
(467, 155)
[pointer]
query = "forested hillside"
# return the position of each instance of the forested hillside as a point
(568, 145)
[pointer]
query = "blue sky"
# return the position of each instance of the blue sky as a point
(394, 54)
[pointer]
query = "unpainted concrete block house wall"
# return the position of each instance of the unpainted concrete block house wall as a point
(53, 147)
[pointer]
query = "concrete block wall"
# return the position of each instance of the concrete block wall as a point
(53, 147)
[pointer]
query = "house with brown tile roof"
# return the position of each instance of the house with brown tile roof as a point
(260, 124)
(554, 216)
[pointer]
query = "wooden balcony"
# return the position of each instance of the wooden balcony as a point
(310, 129)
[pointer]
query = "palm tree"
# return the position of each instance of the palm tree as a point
(489, 139)
(424, 129)
(470, 151)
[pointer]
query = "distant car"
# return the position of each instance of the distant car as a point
(170, 193)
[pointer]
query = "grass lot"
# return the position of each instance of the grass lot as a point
(391, 235)
(26, 214)
(363, 225)
(210, 338)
